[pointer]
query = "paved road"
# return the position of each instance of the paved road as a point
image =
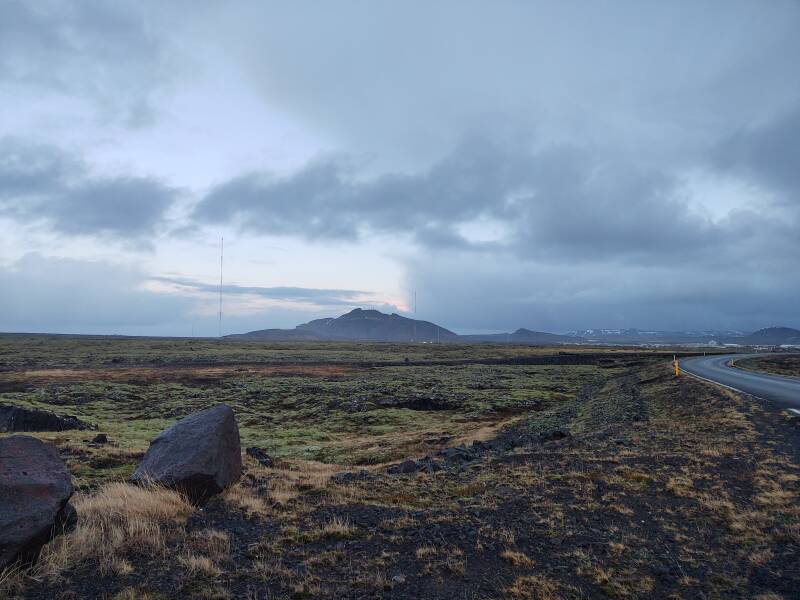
(782, 391)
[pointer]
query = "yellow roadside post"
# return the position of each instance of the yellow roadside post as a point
(677, 365)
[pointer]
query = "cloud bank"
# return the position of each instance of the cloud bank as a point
(547, 165)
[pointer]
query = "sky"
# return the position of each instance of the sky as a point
(550, 165)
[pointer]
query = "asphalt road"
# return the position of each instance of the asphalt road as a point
(782, 391)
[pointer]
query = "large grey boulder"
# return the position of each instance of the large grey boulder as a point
(35, 488)
(199, 455)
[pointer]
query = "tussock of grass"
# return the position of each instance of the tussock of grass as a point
(136, 594)
(118, 520)
(533, 587)
(200, 565)
(242, 498)
(271, 570)
(518, 559)
(212, 543)
(338, 528)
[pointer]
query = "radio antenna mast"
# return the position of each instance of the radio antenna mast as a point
(415, 317)
(221, 247)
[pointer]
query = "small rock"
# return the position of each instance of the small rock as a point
(100, 438)
(399, 579)
(428, 464)
(555, 434)
(261, 456)
(408, 466)
(458, 453)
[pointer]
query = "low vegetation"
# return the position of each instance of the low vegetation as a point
(654, 487)
(785, 365)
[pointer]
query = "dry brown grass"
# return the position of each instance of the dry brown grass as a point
(399, 522)
(135, 594)
(11, 582)
(117, 521)
(518, 559)
(275, 569)
(213, 543)
(338, 528)
(199, 565)
(242, 498)
(288, 481)
(426, 551)
(533, 587)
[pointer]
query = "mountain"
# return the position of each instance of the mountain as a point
(774, 336)
(361, 325)
(524, 336)
(373, 325)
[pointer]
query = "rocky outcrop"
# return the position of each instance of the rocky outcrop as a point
(35, 488)
(460, 455)
(199, 455)
(16, 418)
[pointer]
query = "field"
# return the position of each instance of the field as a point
(786, 365)
(603, 476)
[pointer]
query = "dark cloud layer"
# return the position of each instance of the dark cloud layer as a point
(316, 296)
(42, 183)
(556, 204)
(768, 152)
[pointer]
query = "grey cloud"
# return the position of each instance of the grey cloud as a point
(496, 295)
(768, 152)
(557, 203)
(318, 296)
(408, 79)
(325, 200)
(42, 183)
(111, 53)
(45, 294)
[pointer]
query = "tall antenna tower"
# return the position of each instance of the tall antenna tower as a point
(221, 247)
(415, 317)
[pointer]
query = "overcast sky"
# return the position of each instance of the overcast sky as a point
(550, 165)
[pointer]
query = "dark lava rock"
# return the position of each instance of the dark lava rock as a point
(407, 466)
(261, 456)
(35, 488)
(100, 438)
(16, 418)
(417, 402)
(479, 445)
(458, 453)
(199, 455)
(346, 477)
(555, 434)
(428, 464)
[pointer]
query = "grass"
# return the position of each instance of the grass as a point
(666, 488)
(786, 365)
(310, 402)
(518, 559)
(115, 523)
